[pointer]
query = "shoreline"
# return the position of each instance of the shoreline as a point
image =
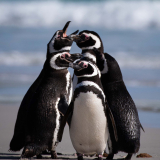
(150, 139)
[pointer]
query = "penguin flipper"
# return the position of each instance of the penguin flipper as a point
(18, 140)
(63, 122)
(113, 121)
(142, 127)
(62, 105)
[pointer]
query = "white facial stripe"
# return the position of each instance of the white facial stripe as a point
(53, 63)
(68, 48)
(55, 134)
(76, 60)
(93, 74)
(105, 69)
(90, 56)
(51, 48)
(99, 72)
(97, 44)
(89, 83)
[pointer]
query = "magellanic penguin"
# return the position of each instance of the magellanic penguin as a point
(119, 100)
(41, 110)
(88, 122)
(87, 41)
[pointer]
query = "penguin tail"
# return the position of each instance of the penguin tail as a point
(16, 144)
(142, 127)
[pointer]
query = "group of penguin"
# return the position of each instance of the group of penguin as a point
(95, 102)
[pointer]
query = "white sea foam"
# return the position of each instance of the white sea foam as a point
(16, 58)
(106, 14)
(133, 60)
(125, 60)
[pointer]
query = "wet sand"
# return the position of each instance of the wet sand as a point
(150, 140)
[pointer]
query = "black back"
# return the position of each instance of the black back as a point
(123, 109)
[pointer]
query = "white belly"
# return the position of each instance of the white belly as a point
(88, 130)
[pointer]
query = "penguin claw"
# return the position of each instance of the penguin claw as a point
(100, 157)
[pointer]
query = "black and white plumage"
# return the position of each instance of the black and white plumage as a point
(41, 110)
(119, 100)
(87, 121)
(87, 41)
(123, 109)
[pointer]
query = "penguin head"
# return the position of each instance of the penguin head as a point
(62, 60)
(87, 69)
(60, 41)
(88, 40)
(59, 61)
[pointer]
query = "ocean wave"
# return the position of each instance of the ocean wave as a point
(148, 105)
(125, 60)
(135, 60)
(16, 58)
(6, 78)
(106, 14)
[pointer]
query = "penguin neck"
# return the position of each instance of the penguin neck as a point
(94, 79)
(100, 49)
(114, 72)
(89, 55)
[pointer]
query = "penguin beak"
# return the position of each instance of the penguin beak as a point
(65, 29)
(72, 35)
(73, 57)
(76, 66)
(76, 38)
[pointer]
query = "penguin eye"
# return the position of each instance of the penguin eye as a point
(58, 36)
(87, 37)
(83, 64)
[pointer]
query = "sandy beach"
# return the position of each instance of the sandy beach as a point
(150, 140)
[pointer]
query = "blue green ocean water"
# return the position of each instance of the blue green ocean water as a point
(130, 31)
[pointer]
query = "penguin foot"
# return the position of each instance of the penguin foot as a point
(28, 152)
(129, 156)
(39, 156)
(100, 157)
(110, 156)
(80, 156)
(32, 150)
(53, 155)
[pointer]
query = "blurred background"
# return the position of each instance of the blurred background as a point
(130, 31)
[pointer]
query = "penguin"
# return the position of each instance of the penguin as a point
(38, 107)
(123, 109)
(87, 120)
(120, 102)
(87, 41)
